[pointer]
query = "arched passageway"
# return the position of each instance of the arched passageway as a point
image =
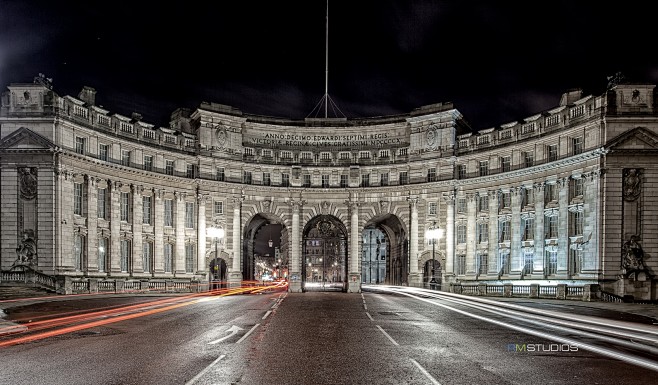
(324, 250)
(385, 252)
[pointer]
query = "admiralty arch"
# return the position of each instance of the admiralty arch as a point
(93, 199)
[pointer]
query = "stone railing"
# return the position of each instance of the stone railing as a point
(590, 292)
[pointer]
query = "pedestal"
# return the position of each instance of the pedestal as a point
(234, 279)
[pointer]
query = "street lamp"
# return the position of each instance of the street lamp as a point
(217, 233)
(433, 234)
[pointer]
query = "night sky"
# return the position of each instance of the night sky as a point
(497, 61)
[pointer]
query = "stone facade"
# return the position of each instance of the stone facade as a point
(561, 197)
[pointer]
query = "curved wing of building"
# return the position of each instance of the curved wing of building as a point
(556, 204)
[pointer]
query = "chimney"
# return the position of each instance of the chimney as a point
(88, 95)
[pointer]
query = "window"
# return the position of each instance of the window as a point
(483, 232)
(218, 207)
(286, 155)
(267, 153)
(461, 205)
(528, 159)
(432, 209)
(190, 252)
(484, 168)
(344, 155)
(246, 177)
(168, 257)
(325, 156)
(550, 192)
(306, 155)
(190, 171)
(365, 180)
(577, 144)
(552, 153)
(80, 145)
(527, 128)
(266, 179)
(577, 188)
(169, 167)
(552, 225)
(220, 174)
(505, 164)
(528, 196)
(148, 162)
(552, 120)
(146, 210)
(325, 181)
(528, 262)
(78, 196)
(577, 223)
(343, 181)
(147, 256)
(431, 174)
(404, 178)
(364, 154)
(102, 254)
(78, 251)
(482, 263)
(528, 229)
(551, 257)
(306, 180)
(384, 153)
(461, 233)
(101, 204)
(125, 157)
(189, 215)
(505, 231)
(483, 203)
(504, 261)
(506, 200)
(249, 151)
(402, 152)
(461, 171)
(125, 255)
(285, 180)
(168, 212)
(383, 179)
(125, 207)
(103, 152)
(461, 264)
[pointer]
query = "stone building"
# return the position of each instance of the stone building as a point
(94, 200)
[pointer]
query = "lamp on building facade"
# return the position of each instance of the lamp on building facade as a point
(433, 234)
(217, 233)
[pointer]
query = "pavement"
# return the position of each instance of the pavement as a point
(632, 312)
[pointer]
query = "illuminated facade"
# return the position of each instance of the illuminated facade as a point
(91, 197)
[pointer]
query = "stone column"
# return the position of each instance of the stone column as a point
(493, 254)
(115, 227)
(92, 224)
(563, 253)
(415, 278)
(449, 271)
(354, 284)
(235, 272)
(539, 263)
(471, 210)
(138, 248)
(295, 264)
(158, 231)
(201, 236)
(179, 248)
(515, 228)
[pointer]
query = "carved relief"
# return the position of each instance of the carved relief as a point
(632, 181)
(27, 249)
(28, 183)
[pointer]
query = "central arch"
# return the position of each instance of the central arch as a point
(385, 253)
(324, 250)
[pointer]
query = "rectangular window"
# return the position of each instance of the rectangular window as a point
(102, 254)
(482, 264)
(266, 179)
(483, 232)
(528, 262)
(552, 226)
(506, 200)
(285, 180)
(550, 193)
(146, 210)
(190, 254)
(528, 229)
(404, 178)
(461, 264)
(383, 179)
(528, 196)
(77, 198)
(364, 155)
(325, 181)
(431, 174)
(484, 168)
(125, 158)
(551, 256)
(101, 203)
(125, 207)
(125, 255)
(78, 250)
(325, 156)
(249, 151)
(505, 164)
(148, 162)
(461, 205)
(504, 262)
(168, 257)
(286, 155)
(505, 231)
(246, 177)
(219, 207)
(220, 174)
(168, 212)
(306, 180)
(147, 256)
(483, 203)
(432, 209)
(577, 144)
(189, 215)
(528, 159)
(461, 171)
(80, 145)
(103, 152)
(461, 234)
(577, 187)
(169, 167)
(190, 171)
(384, 153)
(402, 152)
(365, 180)
(577, 223)
(552, 153)
(343, 181)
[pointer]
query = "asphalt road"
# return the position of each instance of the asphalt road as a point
(295, 338)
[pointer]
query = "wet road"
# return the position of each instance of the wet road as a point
(298, 338)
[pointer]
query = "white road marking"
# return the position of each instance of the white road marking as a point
(429, 376)
(248, 333)
(232, 330)
(386, 334)
(266, 314)
(369, 316)
(201, 373)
